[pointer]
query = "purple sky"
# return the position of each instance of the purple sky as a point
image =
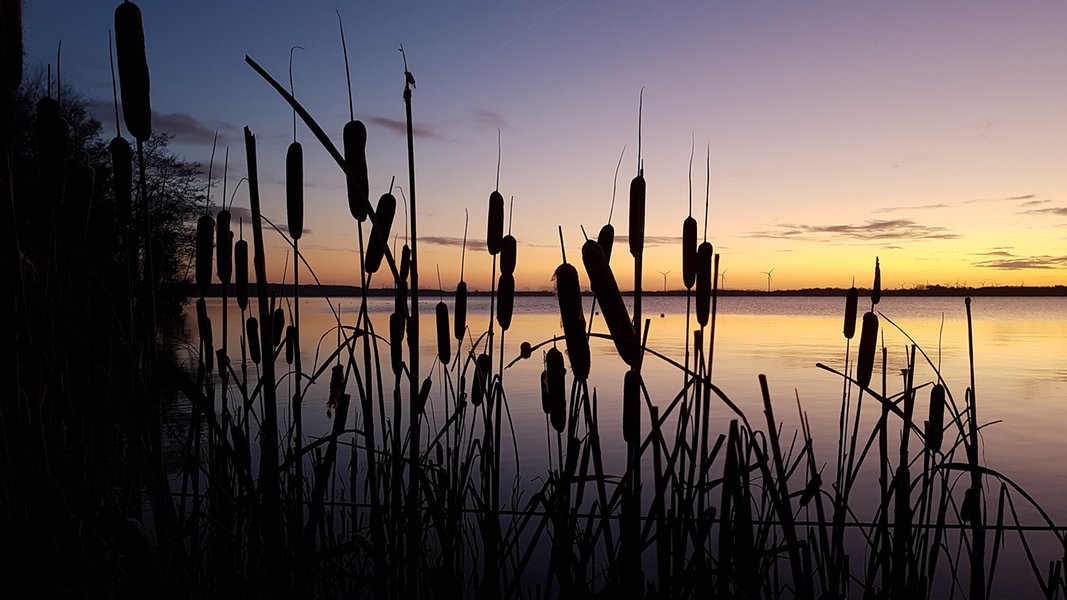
(928, 134)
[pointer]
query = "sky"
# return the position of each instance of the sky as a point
(932, 135)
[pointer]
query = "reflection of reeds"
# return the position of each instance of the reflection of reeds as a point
(379, 506)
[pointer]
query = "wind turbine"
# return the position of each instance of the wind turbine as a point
(664, 273)
(722, 277)
(768, 274)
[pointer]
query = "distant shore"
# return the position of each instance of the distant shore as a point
(349, 291)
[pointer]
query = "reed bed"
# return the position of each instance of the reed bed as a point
(408, 492)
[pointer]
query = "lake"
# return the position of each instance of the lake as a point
(1020, 371)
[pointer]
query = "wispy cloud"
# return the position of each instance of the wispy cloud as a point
(419, 130)
(445, 240)
(1005, 261)
(652, 241)
(889, 209)
(873, 230)
(188, 129)
(1057, 211)
(1035, 203)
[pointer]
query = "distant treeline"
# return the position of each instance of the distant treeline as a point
(347, 291)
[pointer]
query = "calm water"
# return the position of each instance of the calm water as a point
(1020, 359)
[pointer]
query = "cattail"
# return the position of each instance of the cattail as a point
(424, 394)
(122, 178)
(240, 272)
(133, 71)
(637, 216)
(689, 252)
(405, 262)
(557, 388)
(379, 233)
(337, 386)
(203, 323)
(606, 239)
(868, 340)
(876, 289)
(480, 386)
(205, 231)
(294, 189)
(277, 325)
(396, 342)
(505, 300)
(969, 507)
(494, 231)
(606, 290)
(525, 350)
(851, 302)
(444, 342)
(935, 426)
(290, 344)
(203, 326)
(569, 296)
(703, 282)
(546, 393)
(252, 331)
(223, 246)
(355, 145)
(508, 249)
(631, 407)
(461, 310)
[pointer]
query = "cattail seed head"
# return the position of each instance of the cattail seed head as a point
(703, 282)
(461, 310)
(505, 305)
(689, 252)
(557, 388)
(525, 350)
(290, 344)
(569, 296)
(337, 386)
(637, 216)
(122, 179)
(494, 229)
(203, 323)
(356, 177)
(133, 70)
(223, 246)
(631, 407)
(483, 366)
(405, 262)
(294, 189)
(851, 305)
(876, 289)
(606, 239)
(424, 394)
(252, 332)
(444, 339)
(240, 272)
(379, 234)
(607, 293)
(205, 232)
(935, 426)
(868, 341)
(508, 250)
